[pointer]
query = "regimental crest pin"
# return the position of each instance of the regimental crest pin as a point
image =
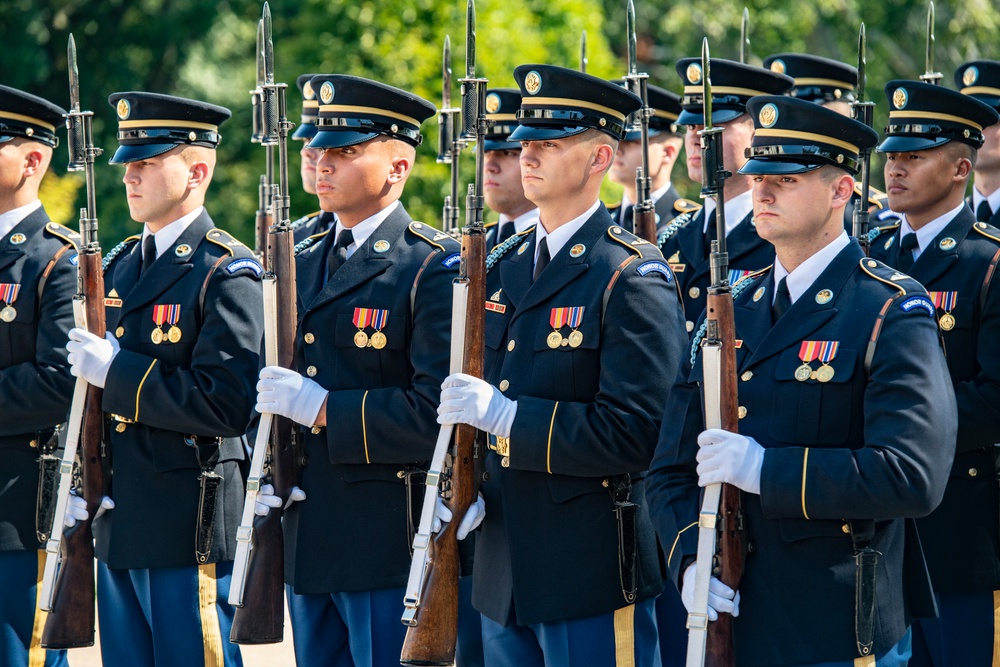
(759, 293)
(947, 243)
(523, 248)
(824, 296)
(123, 108)
(889, 242)
(381, 246)
(577, 250)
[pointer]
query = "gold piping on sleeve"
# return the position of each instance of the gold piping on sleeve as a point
(678, 539)
(139, 390)
(548, 446)
(805, 466)
(364, 427)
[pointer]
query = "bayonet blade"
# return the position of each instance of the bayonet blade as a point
(74, 75)
(268, 50)
(583, 51)
(929, 51)
(446, 74)
(470, 40)
(633, 66)
(706, 83)
(745, 36)
(862, 64)
(261, 74)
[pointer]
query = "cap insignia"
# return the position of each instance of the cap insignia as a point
(326, 92)
(694, 73)
(308, 92)
(533, 82)
(778, 66)
(123, 108)
(899, 98)
(768, 115)
(493, 103)
(970, 75)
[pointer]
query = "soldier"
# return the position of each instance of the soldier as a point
(981, 80)
(184, 319)
(846, 426)
(374, 322)
(319, 221)
(37, 281)
(685, 241)
(930, 147)
(502, 188)
(583, 336)
(665, 142)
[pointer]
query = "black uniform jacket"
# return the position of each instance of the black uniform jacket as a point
(874, 442)
(962, 537)
(175, 406)
(314, 223)
(351, 532)
(665, 211)
(35, 384)
(586, 416)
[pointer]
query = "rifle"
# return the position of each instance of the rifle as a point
(745, 36)
(721, 518)
(583, 51)
(863, 112)
(258, 589)
(929, 75)
(449, 141)
(263, 218)
(431, 598)
(643, 212)
(68, 581)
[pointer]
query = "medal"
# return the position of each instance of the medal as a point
(560, 317)
(8, 294)
(365, 317)
(824, 373)
(825, 351)
(156, 336)
(174, 335)
(173, 317)
(166, 314)
(554, 340)
(947, 321)
(361, 339)
(575, 338)
(159, 317)
(378, 340)
(945, 301)
(803, 372)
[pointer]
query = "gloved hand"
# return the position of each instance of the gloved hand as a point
(76, 509)
(473, 517)
(721, 598)
(286, 393)
(90, 357)
(266, 499)
(730, 458)
(468, 400)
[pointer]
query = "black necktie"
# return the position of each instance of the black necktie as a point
(906, 247)
(506, 231)
(984, 212)
(338, 253)
(148, 253)
(543, 258)
(782, 300)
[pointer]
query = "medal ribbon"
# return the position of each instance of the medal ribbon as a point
(944, 300)
(160, 314)
(736, 275)
(8, 292)
(363, 317)
(560, 317)
(173, 314)
(379, 318)
(809, 350)
(828, 350)
(576, 316)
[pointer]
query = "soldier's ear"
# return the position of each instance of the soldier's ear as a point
(198, 173)
(604, 155)
(399, 168)
(843, 189)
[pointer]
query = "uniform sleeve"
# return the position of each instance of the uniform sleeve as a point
(215, 396)
(642, 342)
(37, 394)
(399, 424)
(979, 398)
(909, 430)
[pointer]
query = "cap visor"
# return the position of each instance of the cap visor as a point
(900, 143)
(758, 166)
(137, 152)
(305, 131)
(718, 116)
(498, 145)
(637, 136)
(542, 132)
(339, 138)
(4, 139)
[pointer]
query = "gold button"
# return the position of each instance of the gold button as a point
(742, 412)
(119, 332)
(33, 444)
(694, 292)
(846, 529)
(689, 325)
(605, 483)
(315, 430)
(510, 346)
(311, 371)
(973, 472)
(309, 339)
(120, 428)
(504, 385)
(746, 376)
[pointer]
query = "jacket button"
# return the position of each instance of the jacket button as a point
(742, 412)
(746, 376)
(309, 339)
(973, 472)
(846, 529)
(120, 427)
(504, 385)
(119, 332)
(751, 547)
(311, 371)
(510, 346)
(33, 444)
(694, 292)
(689, 325)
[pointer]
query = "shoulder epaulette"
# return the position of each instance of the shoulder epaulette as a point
(890, 276)
(686, 206)
(309, 241)
(65, 233)
(629, 240)
(875, 197)
(490, 225)
(224, 239)
(502, 249)
(679, 222)
(304, 220)
(989, 231)
(737, 289)
(117, 250)
(427, 233)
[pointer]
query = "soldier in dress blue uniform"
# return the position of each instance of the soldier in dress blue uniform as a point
(981, 80)
(178, 366)
(666, 139)
(37, 282)
(583, 336)
(685, 241)
(502, 187)
(847, 422)
(318, 221)
(930, 148)
(373, 348)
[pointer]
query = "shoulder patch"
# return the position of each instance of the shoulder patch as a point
(63, 232)
(452, 259)
(918, 301)
(429, 234)
(310, 241)
(890, 276)
(989, 231)
(686, 206)
(224, 239)
(505, 247)
(117, 250)
(655, 266)
(246, 263)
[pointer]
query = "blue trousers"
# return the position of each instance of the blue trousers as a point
(469, 652)
(671, 624)
(964, 634)
(166, 616)
(628, 634)
(21, 621)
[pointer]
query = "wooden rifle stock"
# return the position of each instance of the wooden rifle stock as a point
(644, 219)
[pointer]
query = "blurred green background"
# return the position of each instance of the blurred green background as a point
(205, 49)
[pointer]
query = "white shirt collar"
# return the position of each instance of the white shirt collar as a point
(10, 219)
(806, 273)
(365, 228)
(737, 208)
(654, 195)
(928, 232)
(166, 237)
(558, 237)
(993, 199)
(521, 222)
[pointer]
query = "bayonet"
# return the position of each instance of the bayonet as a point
(449, 142)
(644, 212)
(929, 75)
(633, 64)
(583, 51)
(74, 75)
(268, 50)
(864, 113)
(745, 36)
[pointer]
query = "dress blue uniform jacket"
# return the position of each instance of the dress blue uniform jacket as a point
(35, 383)
(187, 399)
(664, 207)
(962, 537)
(875, 442)
(548, 549)
(382, 409)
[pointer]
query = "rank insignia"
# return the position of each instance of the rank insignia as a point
(166, 314)
(809, 351)
(8, 295)
(561, 317)
(18, 239)
(375, 318)
(945, 301)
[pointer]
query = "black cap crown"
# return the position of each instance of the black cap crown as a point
(353, 110)
(817, 79)
(310, 108)
(666, 107)
(980, 79)
(923, 116)
(501, 108)
(792, 136)
(25, 115)
(733, 84)
(150, 124)
(558, 102)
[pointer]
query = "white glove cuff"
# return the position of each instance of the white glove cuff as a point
(310, 402)
(505, 419)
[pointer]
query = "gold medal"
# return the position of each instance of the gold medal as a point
(8, 314)
(824, 373)
(803, 372)
(378, 340)
(156, 336)
(174, 335)
(554, 340)
(947, 321)
(361, 339)
(575, 338)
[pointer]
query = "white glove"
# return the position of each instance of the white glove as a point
(90, 357)
(76, 509)
(286, 393)
(468, 400)
(473, 517)
(266, 499)
(730, 458)
(721, 598)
